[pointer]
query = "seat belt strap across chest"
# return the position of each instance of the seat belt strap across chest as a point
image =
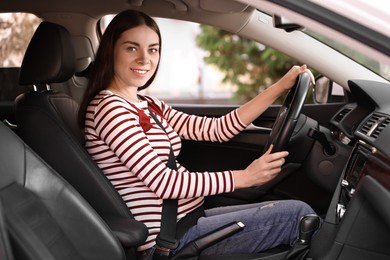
(166, 240)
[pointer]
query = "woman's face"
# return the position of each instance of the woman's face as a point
(136, 56)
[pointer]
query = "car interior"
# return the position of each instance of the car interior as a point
(55, 202)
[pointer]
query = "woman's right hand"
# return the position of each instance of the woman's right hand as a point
(261, 170)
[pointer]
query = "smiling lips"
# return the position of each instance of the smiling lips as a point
(139, 71)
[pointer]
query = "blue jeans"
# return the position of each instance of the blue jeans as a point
(267, 225)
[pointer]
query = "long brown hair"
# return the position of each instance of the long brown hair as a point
(102, 71)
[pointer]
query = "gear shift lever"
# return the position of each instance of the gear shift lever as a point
(308, 225)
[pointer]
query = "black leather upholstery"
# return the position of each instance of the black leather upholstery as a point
(49, 57)
(47, 122)
(5, 247)
(46, 217)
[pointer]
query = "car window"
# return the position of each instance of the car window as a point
(205, 65)
(16, 30)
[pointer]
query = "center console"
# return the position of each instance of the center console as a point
(354, 172)
(365, 160)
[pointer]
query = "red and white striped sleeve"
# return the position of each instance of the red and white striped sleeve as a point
(202, 128)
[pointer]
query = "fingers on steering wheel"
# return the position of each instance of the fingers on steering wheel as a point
(269, 150)
(304, 68)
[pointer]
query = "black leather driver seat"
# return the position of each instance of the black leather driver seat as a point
(45, 216)
(47, 122)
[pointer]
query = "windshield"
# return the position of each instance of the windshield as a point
(376, 66)
(373, 14)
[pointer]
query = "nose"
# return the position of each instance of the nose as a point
(143, 59)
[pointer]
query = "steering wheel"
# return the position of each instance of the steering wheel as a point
(288, 114)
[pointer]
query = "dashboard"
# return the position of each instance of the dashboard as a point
(358, 219)
(365, 125)
(367, 118)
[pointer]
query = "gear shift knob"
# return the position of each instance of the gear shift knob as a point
(308, 225)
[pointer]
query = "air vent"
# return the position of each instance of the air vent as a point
(380, 127)
(342, 114)
(368, 125)
(374, 125)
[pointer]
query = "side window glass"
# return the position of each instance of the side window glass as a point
(16, 30)
(205, 65)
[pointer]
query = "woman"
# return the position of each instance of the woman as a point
(132, 150)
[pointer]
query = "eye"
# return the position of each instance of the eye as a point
(131, 49)
(153, 50)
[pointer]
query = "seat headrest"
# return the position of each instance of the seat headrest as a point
(49, 56)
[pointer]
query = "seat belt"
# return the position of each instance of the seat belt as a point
(166, 240)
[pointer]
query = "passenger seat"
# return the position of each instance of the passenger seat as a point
(5, 246)
(45, 216)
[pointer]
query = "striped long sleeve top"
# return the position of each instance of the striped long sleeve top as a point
(132, 151)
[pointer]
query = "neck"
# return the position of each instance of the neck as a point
(124, 92)
(125, 96)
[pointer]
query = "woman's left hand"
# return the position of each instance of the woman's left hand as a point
(289, 79)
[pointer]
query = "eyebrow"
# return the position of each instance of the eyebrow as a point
(137, 44)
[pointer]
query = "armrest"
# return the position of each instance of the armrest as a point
(195, 247)
(130, 232)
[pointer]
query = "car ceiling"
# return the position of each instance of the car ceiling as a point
(231, 15)
(191, 10)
